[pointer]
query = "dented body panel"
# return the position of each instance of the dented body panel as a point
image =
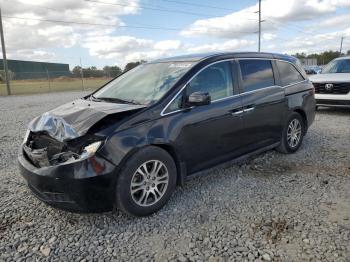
(74, 119)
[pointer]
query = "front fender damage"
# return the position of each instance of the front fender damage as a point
(59, 136)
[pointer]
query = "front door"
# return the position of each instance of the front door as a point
(211, 134)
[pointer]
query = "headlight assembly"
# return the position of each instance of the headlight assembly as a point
(91, 149)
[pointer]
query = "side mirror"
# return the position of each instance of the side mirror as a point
(198, 99)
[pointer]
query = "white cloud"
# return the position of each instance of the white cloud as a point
(115, 46)
(315, 43)
(231, 45)
(145, 55)
(28, 39)
(28, 54)
(34, 34)
(233, 25)
(274, 12)
(268, 36)
(127, 48)
(334, 22)
(168, 45)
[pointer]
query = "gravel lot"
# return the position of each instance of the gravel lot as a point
(273, 207)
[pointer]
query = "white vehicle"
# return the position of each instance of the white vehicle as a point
(332, 86)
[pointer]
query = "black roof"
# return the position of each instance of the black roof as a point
(203, 56)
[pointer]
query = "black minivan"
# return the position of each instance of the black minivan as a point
(130, 143)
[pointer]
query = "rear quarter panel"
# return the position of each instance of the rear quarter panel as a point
(301, 96)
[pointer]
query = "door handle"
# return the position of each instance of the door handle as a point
(237, 113)
(249, 109)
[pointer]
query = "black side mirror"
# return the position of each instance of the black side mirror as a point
(198, 99)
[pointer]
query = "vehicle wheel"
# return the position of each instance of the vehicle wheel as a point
(146, 182)
(292, 135)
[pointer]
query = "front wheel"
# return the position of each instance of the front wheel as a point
(146, 182)
(293, 134)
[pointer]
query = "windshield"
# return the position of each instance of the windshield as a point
(337, 66)
(144, 84)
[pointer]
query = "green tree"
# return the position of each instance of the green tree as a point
(76, 71)
(300, 55)
(112, 71)
(322, 58)
(93, 72)
(131, 65)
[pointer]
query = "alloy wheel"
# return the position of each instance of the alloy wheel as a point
(149, 183)
(294, 133)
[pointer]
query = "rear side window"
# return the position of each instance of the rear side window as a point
(288, 73)
(256, 74)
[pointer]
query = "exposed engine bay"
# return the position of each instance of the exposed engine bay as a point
(43, 150)
(62, 134)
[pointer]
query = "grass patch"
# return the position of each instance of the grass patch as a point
(19, 87)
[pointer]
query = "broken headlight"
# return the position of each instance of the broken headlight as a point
(90, 149)
(69, 156)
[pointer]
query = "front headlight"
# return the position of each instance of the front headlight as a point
(26, 136)
(90, 149)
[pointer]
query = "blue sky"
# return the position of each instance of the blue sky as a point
(289, 26)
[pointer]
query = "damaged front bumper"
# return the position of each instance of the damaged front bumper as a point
(83, 185)
(59, 157)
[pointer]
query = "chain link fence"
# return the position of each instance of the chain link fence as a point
(54, 81)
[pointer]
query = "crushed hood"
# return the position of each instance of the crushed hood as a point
(74, 119)
(332, 78)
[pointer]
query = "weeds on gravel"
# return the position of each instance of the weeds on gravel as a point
(273, 230)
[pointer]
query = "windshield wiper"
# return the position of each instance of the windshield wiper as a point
(115, 100)
(95, 99)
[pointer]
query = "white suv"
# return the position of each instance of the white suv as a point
(332, 86)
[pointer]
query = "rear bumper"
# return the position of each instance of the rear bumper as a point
(82, 186)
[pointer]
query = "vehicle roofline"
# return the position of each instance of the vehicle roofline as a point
(196, 58)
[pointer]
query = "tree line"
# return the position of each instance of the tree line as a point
(322, 58)
(114, 71)
(107, 71)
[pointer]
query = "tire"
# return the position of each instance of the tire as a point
(137, 175)
(287, 146)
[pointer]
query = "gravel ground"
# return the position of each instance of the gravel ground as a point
(273, 207)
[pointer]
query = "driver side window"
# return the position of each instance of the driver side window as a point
(215, 79)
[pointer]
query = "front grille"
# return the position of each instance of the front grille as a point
(336, 89)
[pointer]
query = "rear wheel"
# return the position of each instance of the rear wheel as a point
(146, 182)
(293, 134)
